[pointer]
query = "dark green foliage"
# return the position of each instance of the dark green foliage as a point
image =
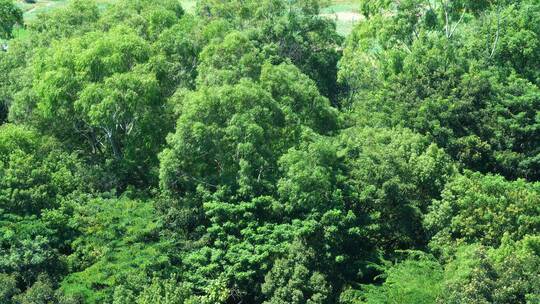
(508, 274)
(41, 292)
(450, 84)
(291, 280)
(34, 171)
(181, 45)
(10, 15)
(8, 287)
(475, 274)
(160, 291)
(291, 29)
(36, 175)
(395, 174)
(30, 247)
(245, 153)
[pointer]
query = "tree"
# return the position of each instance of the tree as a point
(100, 96)
(106, 62)
(394, 174)
(34, 171)
(15, 76)
(294, 280)
(10, 15)
(221, 165)
(36, 177)
(8, 288)
(227, 61)
(482, 209)
(181, 45)
(77, 18)
(229, 138)
(147, 18)
(243, 154)
(167, 291)
(41, 292)
(473, 274)
(117, 244)
(442, 82)
(417, 279)
(292, 30)
(298, 94)
(226, 140)
(367, 189)
(508, 274)
(310, 42)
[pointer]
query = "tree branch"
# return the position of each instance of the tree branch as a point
(498, 32)
(457, 23)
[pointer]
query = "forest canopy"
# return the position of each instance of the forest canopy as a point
(246, 151)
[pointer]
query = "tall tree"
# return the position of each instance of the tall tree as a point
(10, 15)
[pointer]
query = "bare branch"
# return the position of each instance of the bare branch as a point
(498, 32)
(457, 23)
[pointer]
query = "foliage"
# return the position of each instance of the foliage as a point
(75, 19)
(292, 29)
(36, 176)
(291, 280)
(35, 172)
(442, 76)
(242, 152)
(10, 15)
(395, 174)
(414, 280)
(507, 274)
(474, 274)
(117, 245)
(482, 209)
(102, 94)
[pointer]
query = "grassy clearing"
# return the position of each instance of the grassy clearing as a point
(42, 7)
(345, 12)
(341, 6)
(20, 32)
(189, 5)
